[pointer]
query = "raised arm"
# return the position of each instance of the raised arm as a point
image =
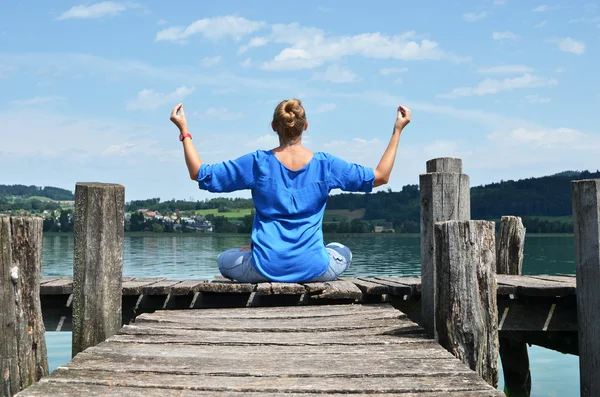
(384, 168)
(192, 159)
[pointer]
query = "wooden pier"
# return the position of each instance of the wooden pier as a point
(304, 351)
(436, 335)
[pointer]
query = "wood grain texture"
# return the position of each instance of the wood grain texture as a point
(466, 306)
(586, 225)
(444, 196)
(303, 351)
(444, 164)
(513, 353)
(23, 356)
(98, 263)
(510, 245)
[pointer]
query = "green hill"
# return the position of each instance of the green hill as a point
(36, 192)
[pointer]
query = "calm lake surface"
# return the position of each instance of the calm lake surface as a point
(194, 256)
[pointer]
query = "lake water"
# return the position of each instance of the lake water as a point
(194, 256)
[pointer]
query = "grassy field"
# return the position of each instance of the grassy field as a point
(338, 215)
(230, 214)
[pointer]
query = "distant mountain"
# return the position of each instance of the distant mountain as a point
(22, 191)
(548, 196)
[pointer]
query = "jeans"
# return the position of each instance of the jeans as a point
(237, 265)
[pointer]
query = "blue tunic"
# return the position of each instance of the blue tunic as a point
(287, 235)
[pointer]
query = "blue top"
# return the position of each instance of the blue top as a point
(287, 235)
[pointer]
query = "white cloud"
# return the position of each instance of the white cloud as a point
(254, 43)
(221, 114)
(388, 71)
(536, 99)
(541, 137)
(210, 61)
(560, 70)
(474, 17)
(38, 100)
(491, 86)
(504, 36)
(326, 107)
(336, 74)
(506, 69)
(212, 28)
(311, 47)
(162, 22)
(546, 7)
(98, 10)
(567, 44)
(541, 24)
(150, 99)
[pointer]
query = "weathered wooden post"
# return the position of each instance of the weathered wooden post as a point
(445, 195)
(98, 263)
(466, 308)
(23, 357)
(586, 225)
(513, 353)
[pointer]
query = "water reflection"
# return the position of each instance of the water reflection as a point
(188, 256)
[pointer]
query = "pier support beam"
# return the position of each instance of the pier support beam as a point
(23, 355)
(98, 263)
(586, 225)
(466, 308)
(513, 353)
(445, 195)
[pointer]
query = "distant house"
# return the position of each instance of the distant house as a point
(386, 228)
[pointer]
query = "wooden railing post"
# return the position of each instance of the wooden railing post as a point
(466, 307)
(23, 356)
(513, 353)
(586, 225)
(98, 263)
(445, 195)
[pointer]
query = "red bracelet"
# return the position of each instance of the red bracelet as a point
(184, 135)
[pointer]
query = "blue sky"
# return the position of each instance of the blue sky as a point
(86, 88)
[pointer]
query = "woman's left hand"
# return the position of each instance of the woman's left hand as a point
(178, 118)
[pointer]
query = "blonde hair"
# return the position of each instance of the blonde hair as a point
(289, 120)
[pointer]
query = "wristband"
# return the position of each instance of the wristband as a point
(184, 135)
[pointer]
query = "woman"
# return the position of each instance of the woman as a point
(290, 186)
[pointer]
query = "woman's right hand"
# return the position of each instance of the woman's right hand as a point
(178, 117)
(403, 118)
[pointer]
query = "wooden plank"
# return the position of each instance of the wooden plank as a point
(134, 287)
(287, 384)
(270, 325)
(571, 281)
(368, 287)
(313, 311)
(224, 286)
(417, 350)
(279, 289)
(413, 284)
(352, 338)
(45, 389)
(186, 287)
(338, 289)
(162, 287)
(62, 286)
(529, 286)
(269, 364)
(50, 279)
